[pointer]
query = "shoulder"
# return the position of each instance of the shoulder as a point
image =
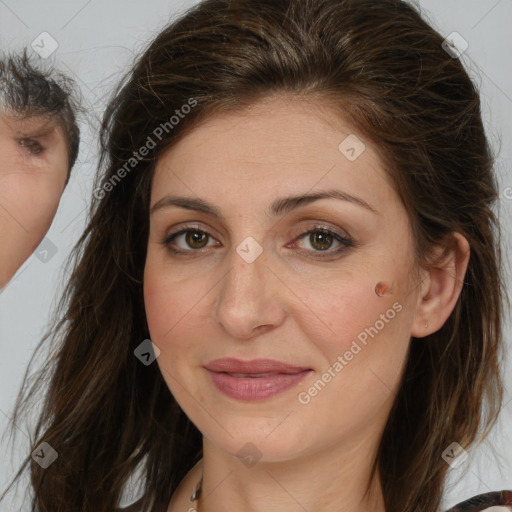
(500, 501)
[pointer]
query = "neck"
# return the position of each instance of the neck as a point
(329, 480)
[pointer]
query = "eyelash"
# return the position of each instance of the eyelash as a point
(33, 146)
(345, 241)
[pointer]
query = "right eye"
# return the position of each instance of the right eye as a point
(191, 238)
(32, 146)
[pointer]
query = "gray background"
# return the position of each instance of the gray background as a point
(96, 42)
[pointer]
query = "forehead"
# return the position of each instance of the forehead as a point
(296, 122)
(279, 141)
(243, 160)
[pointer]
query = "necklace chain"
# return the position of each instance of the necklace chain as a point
(197, 492)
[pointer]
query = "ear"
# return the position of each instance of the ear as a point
(442, 286)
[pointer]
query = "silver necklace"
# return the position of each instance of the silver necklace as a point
(197, 492)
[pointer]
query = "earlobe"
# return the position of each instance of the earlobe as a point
(442, 286)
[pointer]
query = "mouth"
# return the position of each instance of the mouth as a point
(254, 380)
(256, 367)
(250, 375)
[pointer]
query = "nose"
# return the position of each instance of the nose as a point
(249, 301)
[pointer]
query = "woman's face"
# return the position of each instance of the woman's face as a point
(249, 284)
(33, 172)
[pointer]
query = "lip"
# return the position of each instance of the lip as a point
(232, 377)
(232, 365)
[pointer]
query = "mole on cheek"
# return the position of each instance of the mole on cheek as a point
(384, 288)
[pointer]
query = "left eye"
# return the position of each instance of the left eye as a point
(32, 146)
(320, 239)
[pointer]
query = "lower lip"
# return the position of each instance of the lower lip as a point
(255, 388)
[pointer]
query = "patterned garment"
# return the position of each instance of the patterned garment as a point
(489, 502)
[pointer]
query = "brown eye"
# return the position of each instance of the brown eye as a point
(32, 146)
(195, 237)
(321, 240)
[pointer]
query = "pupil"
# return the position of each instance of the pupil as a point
(321, 236)
(195, 237)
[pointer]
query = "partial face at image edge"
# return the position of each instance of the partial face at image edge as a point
(34, 169)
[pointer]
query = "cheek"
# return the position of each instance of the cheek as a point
(173, 306)
(173, 313)
(27, 208)
(364, 352)
(335, 316)
(363, 340)
(31, 200)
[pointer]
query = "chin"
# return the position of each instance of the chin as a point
(258, 440)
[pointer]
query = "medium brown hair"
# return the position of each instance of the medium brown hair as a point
(386, 71)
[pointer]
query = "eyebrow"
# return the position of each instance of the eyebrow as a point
(41, 132)
(36, 125)
(279, 207)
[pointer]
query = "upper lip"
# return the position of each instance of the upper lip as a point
(231, 365)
